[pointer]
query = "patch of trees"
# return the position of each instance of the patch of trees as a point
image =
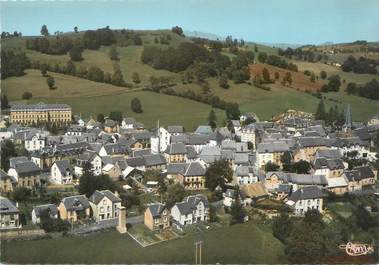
(4, 102)
(8, 150)
(54, 45)
(333, 85)
(92, 73)
(360, 66)
(178, 30)
(27, 95)
(88, 183)
(93, 39)
(13, 64)
(333, 118)
(218, 174)
(369, 90)
(15, 34)
(174, 59)
(275, 60)
(212, 44)
(301, 54)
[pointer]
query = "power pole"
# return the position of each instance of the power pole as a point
(198, 246)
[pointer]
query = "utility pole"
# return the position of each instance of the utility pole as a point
(198, 246)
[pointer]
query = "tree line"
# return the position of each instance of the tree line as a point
(360, 66)
(92, 73)
(275, 60)
(13, 63)
(369, 90)
(301, 54)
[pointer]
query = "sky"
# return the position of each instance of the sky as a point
(270, 21)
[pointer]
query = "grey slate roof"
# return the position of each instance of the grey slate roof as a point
(272, 147)
(39, 106)
(17, 160)
(313, 141)
(27, 169)
(176, 149)
(135, 161)
(51, 208)
(332, 164)
(76, 203)
(189, 204)
(204, 129)
(305, 193)
(156, 209)
(176, 168)
(194, 169)
(6, 206)
(141, 152)
(64, 166)
(328, 153)
(307, 179)
(97, 196)
(359, 173)
(175, 129)
(154, 160)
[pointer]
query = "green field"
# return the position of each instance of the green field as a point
(246, 243)
(87, 96)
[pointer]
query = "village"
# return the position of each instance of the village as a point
(161, 184)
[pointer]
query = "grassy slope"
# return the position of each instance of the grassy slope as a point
(244, 243)
(93, 98)
(264, 103)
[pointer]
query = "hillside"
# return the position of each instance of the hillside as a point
(300, 81)
(250, 98)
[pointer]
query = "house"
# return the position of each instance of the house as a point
(283, 191)
(90, 157)
(305, 199)
(6, 182)
(111, 126)
(105, 205)
(190, 175)
(9, 214)
(247, 134)
(75, 130)
(273, 179)
(307, 147)
(113, 171)
(360, 177)
(156, 161)
(157, 216)
(204, 129)
(27, 174)
(74, 208)
(270, 153)
(50, 210)
(229, 198)
(245, 175)
(34, 141)
(61, 172)
(329, 167)
(338, 185)
(176, 153)
(193, 209)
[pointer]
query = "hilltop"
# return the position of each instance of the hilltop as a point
(249, 97)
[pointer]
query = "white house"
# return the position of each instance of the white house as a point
(50, 209)
(34, 142)
(88, 157)
(193, 209)
(305, 199)
(245, 175)
(248, 134)
(61, 172)
(105, 205)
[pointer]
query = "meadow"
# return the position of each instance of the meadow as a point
(244, 243)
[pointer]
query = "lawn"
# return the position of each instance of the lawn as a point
(246, 243)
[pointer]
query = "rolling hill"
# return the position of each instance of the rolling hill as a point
(82, 94)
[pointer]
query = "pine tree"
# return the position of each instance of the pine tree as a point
(320, 112)
(236, 210)
(212, 119)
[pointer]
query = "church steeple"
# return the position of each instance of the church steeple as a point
(348, 118)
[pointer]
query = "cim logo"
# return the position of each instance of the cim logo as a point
(357, 249)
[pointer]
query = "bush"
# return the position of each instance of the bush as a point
(27, 95)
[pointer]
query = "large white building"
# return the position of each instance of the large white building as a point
(305, 199)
